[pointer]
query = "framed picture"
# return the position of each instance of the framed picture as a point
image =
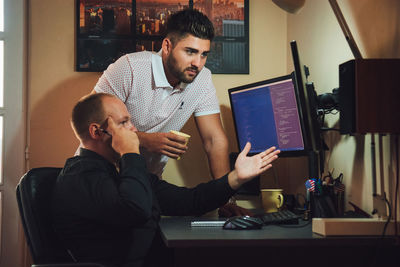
(108, 29)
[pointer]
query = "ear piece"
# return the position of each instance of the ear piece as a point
(97, 132)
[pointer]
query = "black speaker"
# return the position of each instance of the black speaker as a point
(346, 97)
(369, 92)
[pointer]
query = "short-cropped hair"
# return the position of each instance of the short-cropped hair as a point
(189, 21)
(89, 109)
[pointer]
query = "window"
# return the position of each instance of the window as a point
(108, 29)
(12, 125)
(1, 73)
(1, 16)
(1, 87)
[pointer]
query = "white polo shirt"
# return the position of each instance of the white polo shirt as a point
(138, 79)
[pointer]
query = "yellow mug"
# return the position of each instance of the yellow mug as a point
(183, 135)
(272, 199)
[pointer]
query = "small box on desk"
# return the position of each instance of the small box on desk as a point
(369, 92)
(352, 226)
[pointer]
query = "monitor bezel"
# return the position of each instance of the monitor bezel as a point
(293, 153)
(308, 103)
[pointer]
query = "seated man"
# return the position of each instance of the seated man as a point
(106, 206)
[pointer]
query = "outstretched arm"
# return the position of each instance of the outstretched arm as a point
(205, 197)
(246, 168)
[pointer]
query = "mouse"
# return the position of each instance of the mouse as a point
(243, 223)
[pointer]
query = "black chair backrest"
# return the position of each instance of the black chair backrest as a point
(34, 201)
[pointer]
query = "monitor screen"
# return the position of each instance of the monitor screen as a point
(267, 113)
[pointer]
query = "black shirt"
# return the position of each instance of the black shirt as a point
(102, 215)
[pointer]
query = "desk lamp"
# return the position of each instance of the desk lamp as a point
(291, 6)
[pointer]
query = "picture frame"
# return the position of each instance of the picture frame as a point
(108, 29)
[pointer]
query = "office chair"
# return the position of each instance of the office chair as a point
(34, 198)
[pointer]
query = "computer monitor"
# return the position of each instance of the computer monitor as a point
(280, 112)
(268, 113)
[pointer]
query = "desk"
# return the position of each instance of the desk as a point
(272, 246)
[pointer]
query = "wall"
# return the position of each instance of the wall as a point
(322, 46)
(54, 86)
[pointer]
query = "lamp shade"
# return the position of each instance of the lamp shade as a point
(291, 6)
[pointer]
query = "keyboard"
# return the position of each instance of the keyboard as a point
(280, 217)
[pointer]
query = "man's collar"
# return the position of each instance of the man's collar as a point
(160, 79)
(84, 152)
(87, 153)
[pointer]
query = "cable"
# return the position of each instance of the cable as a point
(380, 240)
(295, 225)
(389, 217)
(332, 111)
(330, 129)
(378, 247)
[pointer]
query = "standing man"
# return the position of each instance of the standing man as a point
(162, 90)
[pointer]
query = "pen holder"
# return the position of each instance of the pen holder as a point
(322, 206)
(338, 199)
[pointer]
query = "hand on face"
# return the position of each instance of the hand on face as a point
(124, 140)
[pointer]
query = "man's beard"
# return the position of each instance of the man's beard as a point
(177, 73)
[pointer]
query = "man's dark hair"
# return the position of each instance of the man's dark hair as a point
(89, 109)
(189, 21)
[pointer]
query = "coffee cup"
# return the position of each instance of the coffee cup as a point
(186, 136)
(272, 199)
